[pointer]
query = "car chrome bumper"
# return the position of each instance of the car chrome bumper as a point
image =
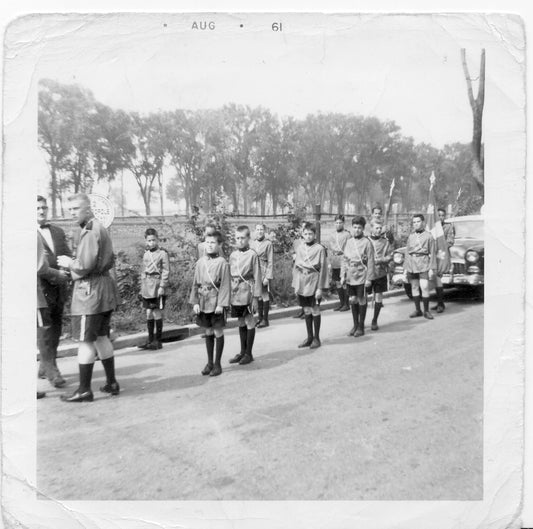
(468, 279)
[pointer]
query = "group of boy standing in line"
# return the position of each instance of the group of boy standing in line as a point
(359, 265)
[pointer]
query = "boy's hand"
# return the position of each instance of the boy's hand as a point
(160, 292)
(368, 284)
(318, 294)
(219, 309)
(64, 261)
(265, 282)
(196, 309)
(255, 304)
(431, 274)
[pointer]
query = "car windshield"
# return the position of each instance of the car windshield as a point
(469, 229)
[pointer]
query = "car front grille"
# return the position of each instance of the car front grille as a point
(459, 268)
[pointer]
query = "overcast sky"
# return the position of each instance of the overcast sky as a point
(403, 68)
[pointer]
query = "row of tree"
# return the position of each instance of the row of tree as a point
(248, 157)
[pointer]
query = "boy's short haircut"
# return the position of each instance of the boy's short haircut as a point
(243, 229)
(359, 221)
(442, 209)
(339, 217)
(40, 198)
(217, 235)
(419, 216)
(378, 207)
(261, 225)
(309, 226)
(210, 227)
(81, 197)
(151, 231)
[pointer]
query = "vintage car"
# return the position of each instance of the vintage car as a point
(467, 257)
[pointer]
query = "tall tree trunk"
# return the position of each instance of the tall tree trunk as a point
(245, 196)
(53, 187)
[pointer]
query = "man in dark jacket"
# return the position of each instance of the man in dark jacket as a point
(54, 285)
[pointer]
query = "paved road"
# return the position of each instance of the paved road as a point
(394, 415)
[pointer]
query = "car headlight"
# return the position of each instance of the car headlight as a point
(471, 256)
(398, 257)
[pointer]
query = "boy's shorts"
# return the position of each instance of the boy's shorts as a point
(335, 274)
(210, 319)
(378, 285)
(153, 303)
(88, 327)
(240, 311)
(356, 291)
(307, 301)
(417, 275)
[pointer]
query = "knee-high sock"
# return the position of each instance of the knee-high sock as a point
(109, 368)
(159, 329)
(150, 324)
(210, 346)
(86, 375)
(362, 315)
(243, 334)
(355, 314)
(425, 301)
(219, 349)
(309, 325)
(260, 308)
(341, 293)
(266, 310)
(316, 323)
(416, 299)
(250, 341)
(440, 295)
(377, 309)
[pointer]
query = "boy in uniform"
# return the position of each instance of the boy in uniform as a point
(154, 280)
(382, 258)
(246, 288)
(420, 264)
(310, 278)
(449, 237)
(336, 244)
(265, 251)
(94, 298)
(208, 230)
(210, 296)
(357, 273)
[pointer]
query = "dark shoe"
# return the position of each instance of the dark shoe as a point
(315, 344)
(374, 326)
(113, 388)
(259, 322)
(237, 358)
(86, 396)
(359, 332)
(159, 344)
(435, 307)
(41, 394)
(246, 359)
(152, 346)
(144, 345)
(306, 343)
(263, 323)
(299, 315)
(58, 382)
(352, 331)
(217, 370)
(428, 315)
(440, 308)
(344, 308)
(207, 369)
(336, 309)
(416, 314)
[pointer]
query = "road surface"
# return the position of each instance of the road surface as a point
(394, 415)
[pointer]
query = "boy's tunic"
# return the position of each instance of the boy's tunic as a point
(246, 279)
(310, 269)
(336, 244)
(95, 291)
(358, 262)
(449, 233)
(420, 255)
(382, 252)
(211, 284)
(156, 270)
(265, 252)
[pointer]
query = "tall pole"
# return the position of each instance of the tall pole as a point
(122, 192)
(317, 221)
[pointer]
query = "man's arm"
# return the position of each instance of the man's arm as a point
(225, 286)
(258, 281)
(270, 262)
(165, 269)
(87, 255)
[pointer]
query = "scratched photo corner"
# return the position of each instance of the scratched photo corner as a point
(261, 258)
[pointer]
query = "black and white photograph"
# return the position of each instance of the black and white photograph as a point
(280, 263)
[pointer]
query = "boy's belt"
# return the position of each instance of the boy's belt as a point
(152, 274)
(306, 272)
(418, 253)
